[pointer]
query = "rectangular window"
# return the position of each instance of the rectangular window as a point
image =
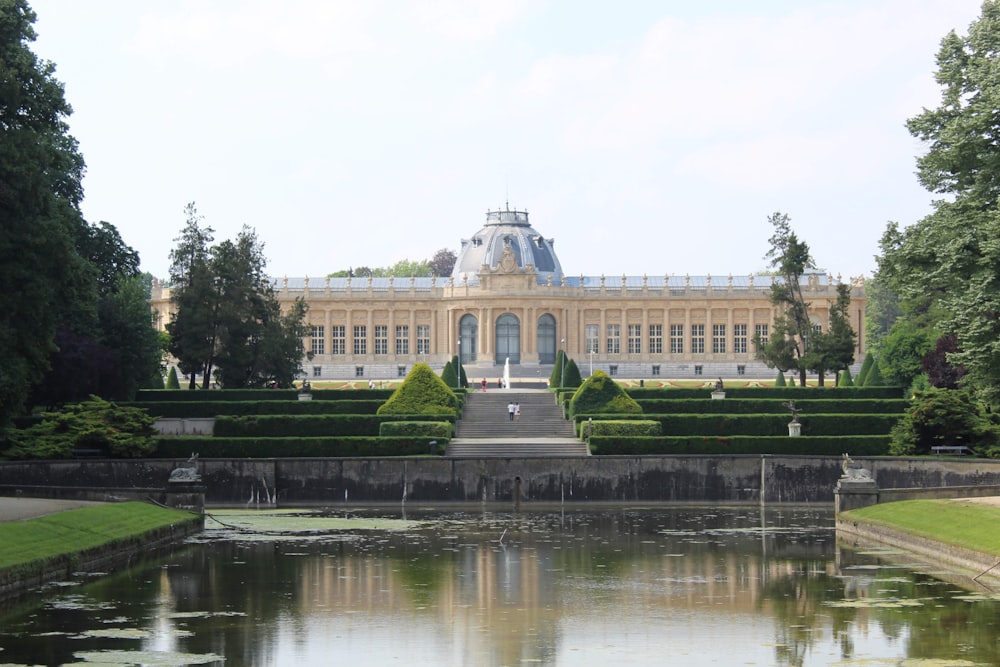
(718, 339)
(317, 371)
(401, 371)
(676, 339)
(593, 338)
(318, 339)
(656, 339)
(741, 370)
(656, 370)
(402, 339)
(761, 330)
(634, 338)
(698, 339)
(614, 339)
(359, 371)
(423, 339)
(697, 370)
(338, 339)
(613, 370)
(360, 339)
(381, 339)
(740, 338)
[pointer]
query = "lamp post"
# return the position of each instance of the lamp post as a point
(458, 380)
(591, 360)
(562, 369)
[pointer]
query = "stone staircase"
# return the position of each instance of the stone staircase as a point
(485, 428)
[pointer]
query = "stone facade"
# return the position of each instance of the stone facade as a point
(628, 326)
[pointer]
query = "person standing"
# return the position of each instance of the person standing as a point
(484, 385)
(510, 410)
(517, 411)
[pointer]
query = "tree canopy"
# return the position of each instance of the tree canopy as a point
(946, 267)
(440, 265)
(227, 323)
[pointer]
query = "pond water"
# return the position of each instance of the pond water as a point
(609, 586)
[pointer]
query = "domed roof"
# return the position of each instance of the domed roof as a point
(507, 229)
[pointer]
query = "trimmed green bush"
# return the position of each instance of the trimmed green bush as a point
(779, 380)
(867, 445)
(422, 393)
(874, 377)
(573, 377)
(749, 406)
(277, 426)
(190, 409)
(866, 367)
(600, 394)
(556, 376)
(844, 380)
(626, 427)
(172, 382)
(269, 448)
(415, 429)
(795, 393)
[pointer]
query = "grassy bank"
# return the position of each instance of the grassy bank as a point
(75, 531)
(961, 523)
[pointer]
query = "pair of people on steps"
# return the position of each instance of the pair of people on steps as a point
(514, 411)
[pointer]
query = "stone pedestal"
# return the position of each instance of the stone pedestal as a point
(794, 429)
(718, 395)
(305, 397)
(185, 495)
(852, 494)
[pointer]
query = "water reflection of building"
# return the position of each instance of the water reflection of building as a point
(508, 298)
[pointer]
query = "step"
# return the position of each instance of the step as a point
(501, 448)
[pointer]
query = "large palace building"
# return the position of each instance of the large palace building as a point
(508, 300)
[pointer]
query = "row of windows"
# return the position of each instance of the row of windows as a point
(655, 370)
(695, 340)
(359, 340)
(359, 371)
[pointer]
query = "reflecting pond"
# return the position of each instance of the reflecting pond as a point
(607, 586)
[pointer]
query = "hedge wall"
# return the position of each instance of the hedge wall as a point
(763, 424)
(270, 448)
(433, 430)
(189, 409)
(743, 406)
(305, 426)
(171, 395)
(868, 445)
(794, 393)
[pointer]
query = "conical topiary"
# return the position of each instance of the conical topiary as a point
(844, 380)
(422, 393)
(573, 378)
(449, 376)
(779, 381)
(556, 377)
(874, 377)
(600, 394)
(866, 367)
(172, 382)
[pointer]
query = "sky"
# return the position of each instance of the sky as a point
(643, 137)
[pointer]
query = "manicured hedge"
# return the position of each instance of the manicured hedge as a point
(171, 395)
(626, 427)
(270, 448)
(743, 406)
(305, 426)
(190, 409)
(786, 393)
(764, 425)
(425, 429)
(868, 445)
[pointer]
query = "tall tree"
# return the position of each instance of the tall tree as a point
(947, 265)
(193, 330)
(443, 262)
(41, 169)
(833, 349)
(790, 338)
(227, 322)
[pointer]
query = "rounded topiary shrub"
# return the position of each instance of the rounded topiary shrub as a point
(422, 393)
(601, 395)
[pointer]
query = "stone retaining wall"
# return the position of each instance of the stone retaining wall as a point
(690, 479)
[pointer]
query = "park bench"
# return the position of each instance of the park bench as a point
(958, 450)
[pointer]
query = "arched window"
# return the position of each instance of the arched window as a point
(468, 334)
(508, 339)
(546, 339)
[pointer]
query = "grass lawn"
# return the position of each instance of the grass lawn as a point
(76, 530)
(962, 523)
